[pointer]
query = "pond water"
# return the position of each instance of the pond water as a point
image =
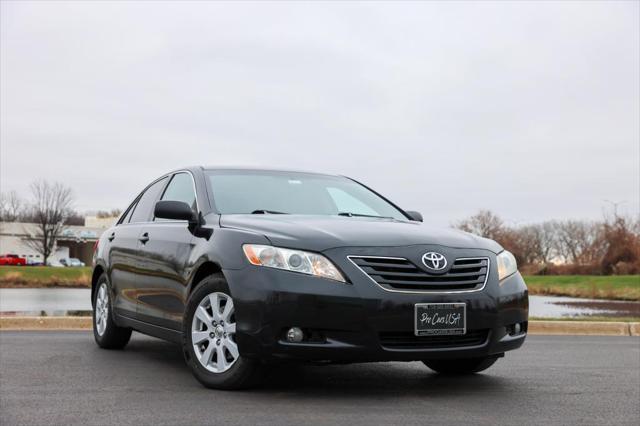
(59, 301)
(53, 301)
(568, 307)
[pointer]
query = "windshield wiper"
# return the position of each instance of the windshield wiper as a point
(349, 214)
(267, 212)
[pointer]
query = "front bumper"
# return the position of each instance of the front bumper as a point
(352, 322)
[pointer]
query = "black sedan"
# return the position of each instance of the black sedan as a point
(247, 267)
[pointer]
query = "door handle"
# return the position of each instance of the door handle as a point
(112, 236)
(144, 238)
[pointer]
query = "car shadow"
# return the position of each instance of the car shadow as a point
(384, 379)
(304, 381)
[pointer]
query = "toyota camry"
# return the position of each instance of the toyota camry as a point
(247, 267)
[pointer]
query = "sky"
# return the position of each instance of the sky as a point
(529, 109)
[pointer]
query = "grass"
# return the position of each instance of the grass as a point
(44, 276)
(612, 287)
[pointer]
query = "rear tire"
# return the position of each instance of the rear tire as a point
(105, 331)
(209, 321)
(460, 366)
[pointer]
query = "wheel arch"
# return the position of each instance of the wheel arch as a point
(98, 270)
(203, 270)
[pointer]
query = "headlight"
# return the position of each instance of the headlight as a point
(506, 265)
(292, 260)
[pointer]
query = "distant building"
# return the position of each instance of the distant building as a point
(99, 222)
(74, 241)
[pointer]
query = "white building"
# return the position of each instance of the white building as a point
(99, 222)
(74, 241)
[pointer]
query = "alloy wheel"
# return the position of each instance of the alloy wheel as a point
(102, 309)
(213, 332)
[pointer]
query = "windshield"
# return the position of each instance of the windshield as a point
(269, 192)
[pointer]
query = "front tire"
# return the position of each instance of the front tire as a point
(460, 366)
(208, 338)
(105, 331)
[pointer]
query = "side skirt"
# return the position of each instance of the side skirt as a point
(150, 329)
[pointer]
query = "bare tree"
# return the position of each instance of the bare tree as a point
(487, 224)
(621, 243)
(548, 239)
(608, 246)
(50, 209)
(529, 244)
(108, 213)
(75, 218)
(484, 223)
(579, 242)
(542, 246)
(12, 207)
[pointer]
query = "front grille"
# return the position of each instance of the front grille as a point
(411, 341)
(396, 273)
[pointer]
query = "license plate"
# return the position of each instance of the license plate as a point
(440, 319)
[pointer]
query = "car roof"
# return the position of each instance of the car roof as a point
(193, 169)
(264, 169)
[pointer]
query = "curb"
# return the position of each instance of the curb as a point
(45, 323)
(584, 328)
(548, 328)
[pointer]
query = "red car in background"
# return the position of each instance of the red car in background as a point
(12, 259)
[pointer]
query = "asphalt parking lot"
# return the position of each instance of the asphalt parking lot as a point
(63, 378)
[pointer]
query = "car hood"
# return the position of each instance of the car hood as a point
(319, 233)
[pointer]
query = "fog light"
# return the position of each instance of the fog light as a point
(295, 335)
(515, 329)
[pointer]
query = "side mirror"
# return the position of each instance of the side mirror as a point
(176, 210)
(415, 216)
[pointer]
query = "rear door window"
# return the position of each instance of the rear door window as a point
(127, 216)
(143, 211)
